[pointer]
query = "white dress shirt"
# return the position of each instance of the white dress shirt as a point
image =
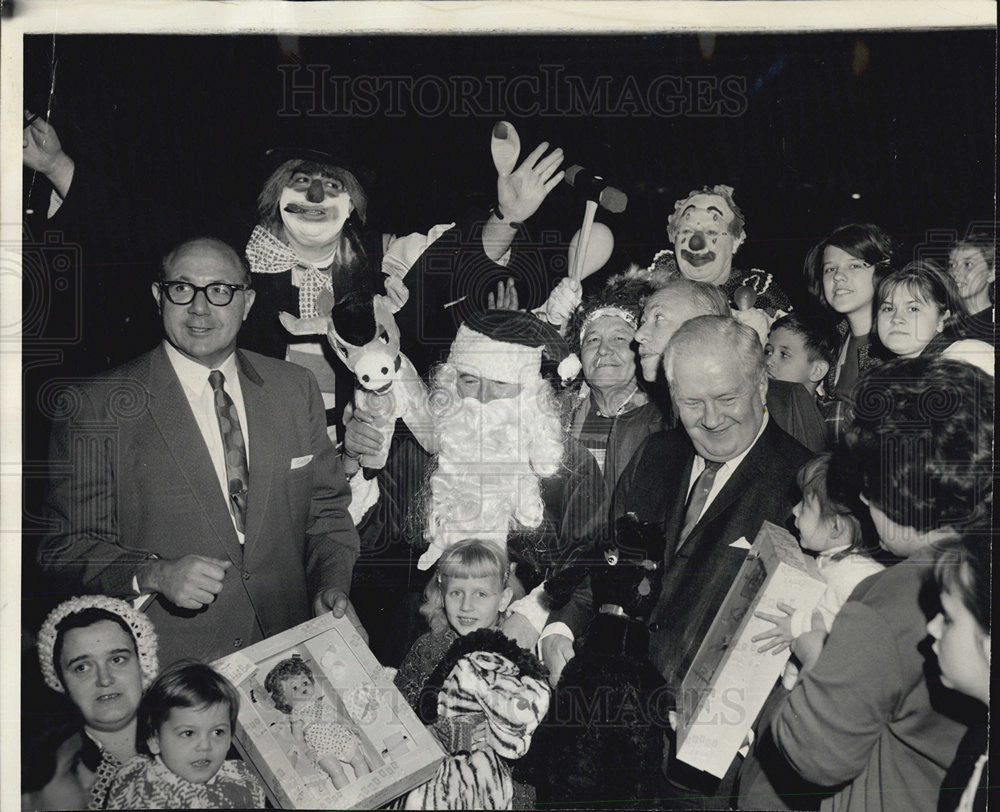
(722, 475)
(721, 478)
(194, 381)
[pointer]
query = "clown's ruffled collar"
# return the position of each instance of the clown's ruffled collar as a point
(267, 254)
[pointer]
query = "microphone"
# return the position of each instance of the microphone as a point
(594, 187)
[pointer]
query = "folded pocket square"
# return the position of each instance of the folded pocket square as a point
(741, 543)
(298, 462)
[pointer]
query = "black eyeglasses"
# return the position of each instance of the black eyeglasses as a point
(218, 293)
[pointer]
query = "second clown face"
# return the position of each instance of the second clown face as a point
(704, 245)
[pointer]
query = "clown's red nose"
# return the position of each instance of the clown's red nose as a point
(697, 241)
(315, 193)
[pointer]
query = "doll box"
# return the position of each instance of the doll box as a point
(729, 679)
(353, 690)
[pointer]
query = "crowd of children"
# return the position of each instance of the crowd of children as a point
(867, 715)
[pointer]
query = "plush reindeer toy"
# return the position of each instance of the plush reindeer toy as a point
(363, 333)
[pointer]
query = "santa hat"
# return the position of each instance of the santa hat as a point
(507, 346)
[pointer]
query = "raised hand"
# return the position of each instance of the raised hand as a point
(564, 299)
(506, 297)
(522, 191)
(43, 152)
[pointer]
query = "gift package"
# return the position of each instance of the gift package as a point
(321, 722)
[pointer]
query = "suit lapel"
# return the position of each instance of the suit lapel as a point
(673, 519)
(171, 412)
(742, 478)
(263, 416)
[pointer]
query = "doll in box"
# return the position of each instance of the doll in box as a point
(315, 722)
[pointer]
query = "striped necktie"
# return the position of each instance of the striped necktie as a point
(234, 449)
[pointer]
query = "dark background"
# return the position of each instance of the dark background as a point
(170, 133)
(180, 125)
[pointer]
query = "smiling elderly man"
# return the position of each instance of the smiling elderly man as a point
(710, 485)
(707, 229)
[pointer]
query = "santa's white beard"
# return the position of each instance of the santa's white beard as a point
(489, 464)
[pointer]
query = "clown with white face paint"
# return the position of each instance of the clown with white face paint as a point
(314, 207)
(703, 237)
(312, 247)
(707, 229)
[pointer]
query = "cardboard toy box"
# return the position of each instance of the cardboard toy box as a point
(357, 692)
(729, 679)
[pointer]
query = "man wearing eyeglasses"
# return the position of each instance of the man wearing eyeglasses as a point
(199, 480)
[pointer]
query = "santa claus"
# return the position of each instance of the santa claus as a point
(505, 468)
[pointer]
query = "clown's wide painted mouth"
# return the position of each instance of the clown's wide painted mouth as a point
(698, 259)
(312, 212)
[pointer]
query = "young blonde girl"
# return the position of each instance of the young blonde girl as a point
(477, 691)
(470, 572)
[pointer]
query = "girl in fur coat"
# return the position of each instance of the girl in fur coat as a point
(479, 693)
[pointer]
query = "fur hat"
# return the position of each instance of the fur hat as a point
(140, 625)
(622, 296)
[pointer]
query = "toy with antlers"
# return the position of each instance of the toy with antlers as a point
(363, 333)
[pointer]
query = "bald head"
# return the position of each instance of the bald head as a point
(223, 253)
(204, 331)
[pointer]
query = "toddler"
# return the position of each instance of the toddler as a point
(961, 632)
(315, 722)
(799, 351)
(829, 527)
(185, 726)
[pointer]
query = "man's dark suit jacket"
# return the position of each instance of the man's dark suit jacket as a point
(133, 478)
(696, 578)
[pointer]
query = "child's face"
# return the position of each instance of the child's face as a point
(962, 648)
(787, 358)
(474, 603)
(847, 281)
(300, 688)
(815, 532)
(193, 742)
(907, 321)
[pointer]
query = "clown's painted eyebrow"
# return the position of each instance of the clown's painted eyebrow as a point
(709, 208)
